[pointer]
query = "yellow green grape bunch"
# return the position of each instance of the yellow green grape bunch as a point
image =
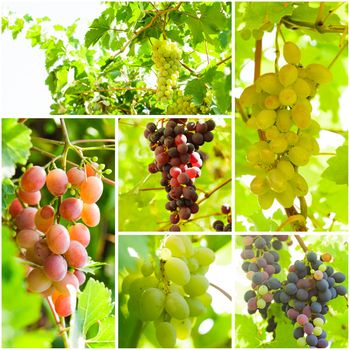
(166, 57)
(184, 105)
(171, 289)
(278, 105)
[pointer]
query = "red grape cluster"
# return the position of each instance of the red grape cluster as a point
(56, 253)
(177, 157)
(219, 225)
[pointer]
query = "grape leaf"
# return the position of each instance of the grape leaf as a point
(338, 167)
(94, 305)
(196, 88)
(105, 337)
(8, 191)
(246, 332)
(15, 145)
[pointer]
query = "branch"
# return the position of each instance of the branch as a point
(291, 219)
(294, 24)
(301, 243)
(257, 59)
(228, 296)
(208, 194)
(345, 45)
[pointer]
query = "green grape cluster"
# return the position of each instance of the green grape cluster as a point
(279, 107)
(166, 57)
(171, 290)
(184, 105)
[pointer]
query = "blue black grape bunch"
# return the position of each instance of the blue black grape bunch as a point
(310, 286)
(219, 225)
(260, 264)
(176, 144)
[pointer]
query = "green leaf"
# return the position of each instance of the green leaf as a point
(15, 145)
(8, 191)
(105, 337)
(196, 88)
(246, 332)
(94, 305)
(337, 170)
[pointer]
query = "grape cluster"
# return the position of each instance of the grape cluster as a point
(184, 105)
(310, 285)
(171, 290)
(280, 109)
(55, 253)
(177, 157)
(260, 264)
(166, 57)
(219, 225)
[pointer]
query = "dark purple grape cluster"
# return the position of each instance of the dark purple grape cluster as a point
(219, 225)
(310, 285)
(260, 264)
(176, 148)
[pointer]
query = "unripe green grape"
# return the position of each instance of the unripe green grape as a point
(287, 97)
(259, 185)
(279, 144)
(165, 254)
(196, 307)
(286, 198)
(152, 304)
(291, 53)
(165, 334)
(205, 298)
(251, 123)
(317, 331)
(313, 129)
(312, 86)
(176, 306)
(301, 116)
(139, 285)
(261, 303)
(308, 142)
(267, 156)
(319, 73)
(176, 246)
(263, 290)
(147, 268)
(183, 328)
(299, 185)
(177, 271)
(286, 167)
(266, 200)
(271, 102)
(265, 119)
(272, 133)
(301, 342)
(193, 265)
(197, 285)
(204, 256)
(299, 156)
(318, 322)
(188, 246)
(127, 282)
(245, 33)
(277, 180)
(269, 83)
(302, 88)
(284, 120)
(292, 138)
(287, 75)
(248, 97)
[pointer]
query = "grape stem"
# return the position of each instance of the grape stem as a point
(60, 323)
(345, 45)
(54, 158)
(301, 243)
(291, 219)
(228, 296)
(56, 142)
(217, 188)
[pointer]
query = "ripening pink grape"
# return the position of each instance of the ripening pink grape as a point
(175, 171)
(15, 207)
(76, 255)
(193, 172)
(44, 218)
(76, 176)
(90, 214)
(33, 179)
(58, 239)
(48, 292)
(180, 139)
(55, 267)
(90, 169)
(79, 232)
(71, 208)
(69, 279)
(39, 252)
(91, 189)
(56, 182)
(25, 219)
(80, 275)
(37, 281)
(63, 306)
(174, 183)
(31, 198)
(27, 238)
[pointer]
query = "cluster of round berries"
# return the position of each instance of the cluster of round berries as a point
(55, 254)
(219, 225)
(177, 157)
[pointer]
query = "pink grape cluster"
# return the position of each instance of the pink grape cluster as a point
(56, 252)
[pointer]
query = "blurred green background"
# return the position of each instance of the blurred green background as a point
(141, 210)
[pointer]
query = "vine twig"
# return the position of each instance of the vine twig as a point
(301, 243)
(208, 194)
(228, 296)
(291, 219)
